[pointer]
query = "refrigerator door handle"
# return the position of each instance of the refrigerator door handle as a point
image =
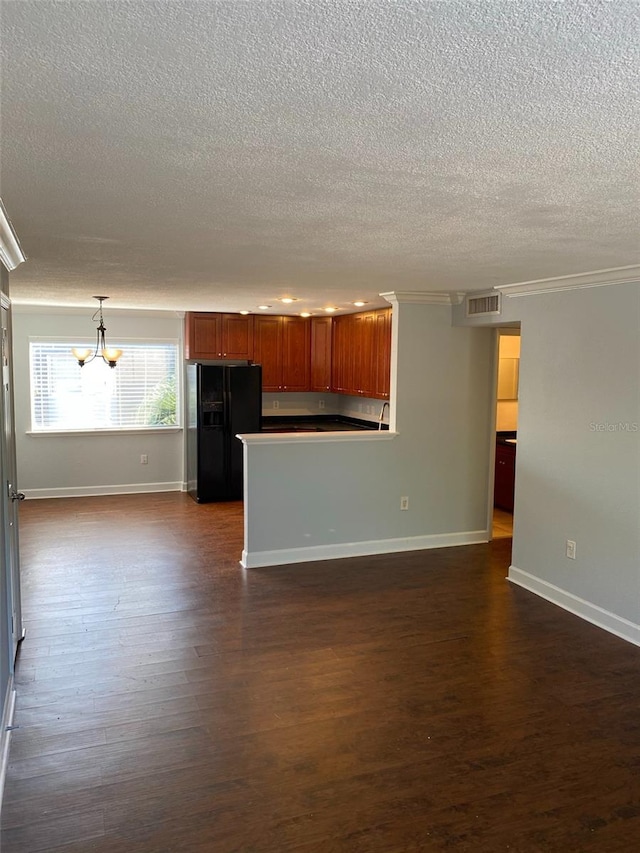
(227, 409)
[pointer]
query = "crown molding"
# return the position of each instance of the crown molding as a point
(595, 278)
(11, 254)
(419, 297)
(77, 311)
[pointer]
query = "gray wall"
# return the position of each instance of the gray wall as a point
(578, 453)
(578, 457)
(91, 463)
(311, 499)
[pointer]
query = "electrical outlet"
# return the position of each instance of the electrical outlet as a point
(276, 404)
(571, 549)
(321, 404)
(404, 503)
(144, 459)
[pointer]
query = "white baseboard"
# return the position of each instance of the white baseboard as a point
(94, 491)
(578, 606)
(5, 733)
(259, 559)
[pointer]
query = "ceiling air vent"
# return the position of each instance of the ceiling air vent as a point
(482, 304)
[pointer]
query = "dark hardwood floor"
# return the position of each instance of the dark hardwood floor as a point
(169, 701)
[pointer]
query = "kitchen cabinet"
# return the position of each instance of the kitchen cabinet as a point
(348, 355)
(363, 357)
(340, 378)
(218, 336)
(282, 345)
(362, 354)
(382, 354)
(320, 377)
(505, 476)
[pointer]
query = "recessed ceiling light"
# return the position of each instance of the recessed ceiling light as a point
(264, 307)
(288, 300)
(305, 313)
(245, 312)
(360, 303)
(330, 309)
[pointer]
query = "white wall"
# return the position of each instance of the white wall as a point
(578, 457)
(307, 498)
(91, 463)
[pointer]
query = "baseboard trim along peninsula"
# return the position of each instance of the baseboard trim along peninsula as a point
(94, 491)
(578, 606)
(262, 559)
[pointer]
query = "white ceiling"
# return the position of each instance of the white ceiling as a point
(218, 155)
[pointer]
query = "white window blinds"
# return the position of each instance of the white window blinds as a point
(140, 393)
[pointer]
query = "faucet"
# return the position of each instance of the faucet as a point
(386, 403)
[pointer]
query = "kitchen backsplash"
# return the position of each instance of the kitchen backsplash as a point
(310, 403)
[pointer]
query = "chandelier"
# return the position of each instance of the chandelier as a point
(109, 355)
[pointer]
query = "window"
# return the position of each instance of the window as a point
(140, 393)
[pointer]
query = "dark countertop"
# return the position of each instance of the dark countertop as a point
(316, 423)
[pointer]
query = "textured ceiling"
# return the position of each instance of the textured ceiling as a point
(217, 155)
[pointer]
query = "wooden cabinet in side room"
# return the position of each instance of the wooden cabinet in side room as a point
(218, 336)
(505, 476)
(282, 347)
(320, 378)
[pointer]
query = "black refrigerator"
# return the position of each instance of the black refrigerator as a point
(224, 400)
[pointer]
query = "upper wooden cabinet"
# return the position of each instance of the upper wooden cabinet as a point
(282, 345)
(382, 353)
(362, 354)
(349, 354)
(320, 354)
(219, 336)
(267, 351)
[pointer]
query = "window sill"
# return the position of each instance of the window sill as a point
(143, 431)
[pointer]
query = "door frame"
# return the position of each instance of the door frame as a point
(10, 522)
(512, 328)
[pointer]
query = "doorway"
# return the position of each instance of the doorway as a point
(506, 430)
